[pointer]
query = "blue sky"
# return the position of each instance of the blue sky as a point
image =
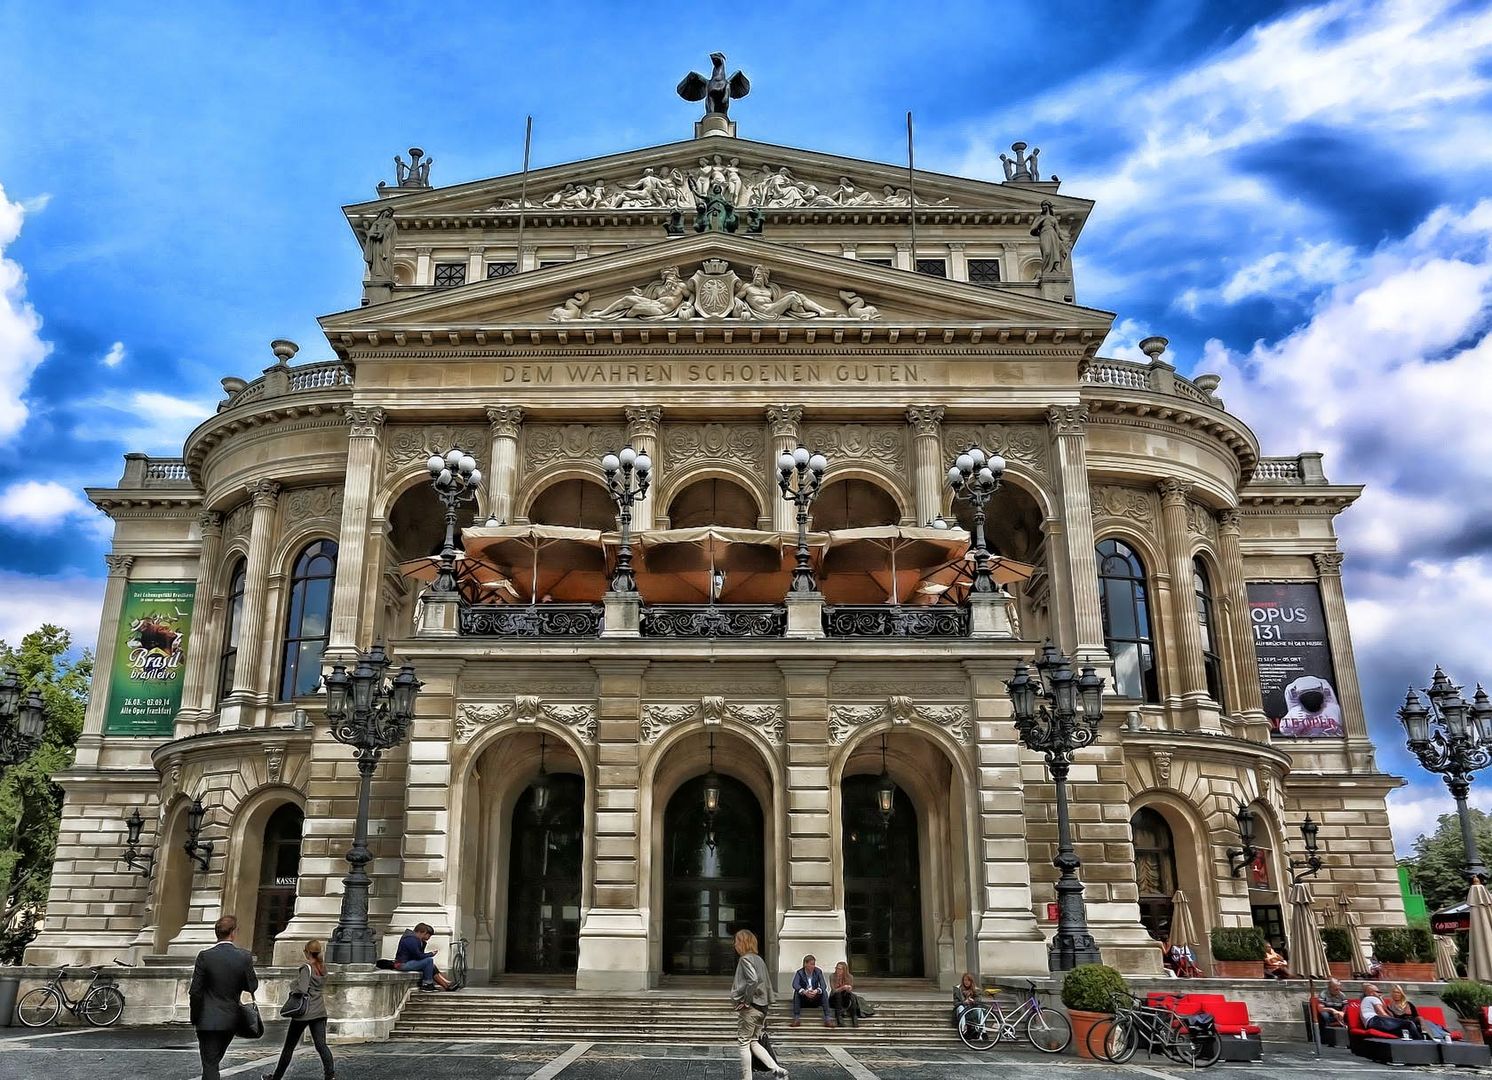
(1295, 194)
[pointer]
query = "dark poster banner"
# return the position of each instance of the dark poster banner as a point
(1296, 676)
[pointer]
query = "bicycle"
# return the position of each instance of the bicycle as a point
(457, 972)
(101, 1003)
(1188, 1040)
(982, 1025)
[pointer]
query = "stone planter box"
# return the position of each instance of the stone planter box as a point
(1342, 970)
(1238, 969)
(1409, 973)
(1471, 1030)
(1083, 1024)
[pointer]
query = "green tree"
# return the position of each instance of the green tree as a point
(1439, 857)
(30, 803)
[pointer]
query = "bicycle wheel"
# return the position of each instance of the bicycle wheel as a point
(1098, 1038)
(1122, 1042)
(1049, 1031)
(39, 1007)
(1208, 1049)
(1180, 1049)
(103, 1006)
(976, 1029)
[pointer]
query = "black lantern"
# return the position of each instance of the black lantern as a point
(800, 474)
(22, 719)
(974, 477)
(628, 477)
(1310, 866)
(885, 790)
(456, 480)
(199, 851)
(541, 785)
(712, 785)
(134, 858)
(1241, 857)
(1453, 738)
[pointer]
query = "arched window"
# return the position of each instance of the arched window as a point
(1125, 602)
(309, 621)
(1155, 870)
(1211, 662)
(231, 629)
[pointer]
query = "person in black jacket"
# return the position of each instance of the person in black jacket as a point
(219, 978)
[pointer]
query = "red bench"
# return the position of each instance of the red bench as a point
(1384, 1048)
(1241, 1037)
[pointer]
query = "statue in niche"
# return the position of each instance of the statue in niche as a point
(760, 299)
(1053, 241)
(667, 298)
(717, 92)
(417, 173)
(378, 248)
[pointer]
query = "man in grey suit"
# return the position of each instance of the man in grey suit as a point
(220, 976)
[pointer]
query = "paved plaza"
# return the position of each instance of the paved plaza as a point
(170, 1053)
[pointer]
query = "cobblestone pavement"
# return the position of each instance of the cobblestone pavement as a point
(170, 1053)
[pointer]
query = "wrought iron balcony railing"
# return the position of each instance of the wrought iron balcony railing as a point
(536, 621)
(714, 620)
(886, 620)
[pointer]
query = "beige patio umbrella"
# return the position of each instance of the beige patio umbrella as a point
(1357, 963)
(715, 564)
(545, 562)
(1445, 957)
(1183, 933)
(1479, 942)
(475, 578)
(1307, 953)
(897, 565)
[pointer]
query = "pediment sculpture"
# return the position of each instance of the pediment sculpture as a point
(715, 291)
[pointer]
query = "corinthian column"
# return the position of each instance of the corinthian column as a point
(502, 479)
(364, 456)
(785, 422)
(926, 422)
(203, 631)
(1191, 674)
(1243, 679)
(1069, 424)
(1334, 605)
(266, 495)
(642, 434)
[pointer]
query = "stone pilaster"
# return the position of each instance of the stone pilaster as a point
(424, 267)
(1243, 661)
(1334, 604)
(614, 932)
(1069, 425)
(642, 434)
(785, 422)
(928, 469)
(204, 631)
(247, 688)
(1200, 712)
(94, 716)
(353, 589)
(502, 479)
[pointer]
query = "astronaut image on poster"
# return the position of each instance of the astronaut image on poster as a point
(1311, 709)
(1296, 676)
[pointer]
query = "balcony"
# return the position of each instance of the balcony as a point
(530, 620)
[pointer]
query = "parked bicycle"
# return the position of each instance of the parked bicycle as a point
(984, 1024)
(101, 1003)
(1192, 1041)
(457, 972)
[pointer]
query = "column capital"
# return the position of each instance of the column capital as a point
(505, 421)
(1328, 563)
(903, 245)
(1067, 419)
(265, 493)
(364, 421)
(210, 524)
(925, 419)
(956, 245)
(643, 420)
(1173, 492)
(785, 420)
(422, 249)
(1229, 520)
(119, 565)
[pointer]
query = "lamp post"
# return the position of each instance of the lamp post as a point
(541, 785)
(885, 791)
(1310, 866)
(1240, 857)
(974, 477)
(800, 474)
(371, 716)
(22, 720)
(1453, 737)
(456, 480)
(199, 851)
(137, 860)
(712, 796)
(1057, 714)
(628, 477)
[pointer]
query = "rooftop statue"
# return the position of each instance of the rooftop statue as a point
(717, 91)
(378, 248)
(1055, 248)
(1022, 169)
(417, 173)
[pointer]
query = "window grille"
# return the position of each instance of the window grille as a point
(448, 275)
(984, 271)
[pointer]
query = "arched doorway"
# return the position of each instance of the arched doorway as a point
(545, 879)
(279, 870)
(578, 504)
(714, 502)
(1155, 871)
(853, 503)
(175, 895)
(882, 882)
(713, 877)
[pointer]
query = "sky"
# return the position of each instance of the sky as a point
(1296, 195)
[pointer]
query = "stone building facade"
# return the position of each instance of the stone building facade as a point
(539, 323)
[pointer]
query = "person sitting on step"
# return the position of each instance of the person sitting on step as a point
(965, 995)
(1275, 964)
(842, 995)
(413, 957)
(809, 989)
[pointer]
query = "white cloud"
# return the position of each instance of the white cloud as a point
(143, 420)
(44, 503)
(115, 356)
(21, 346)
(1285, 272)
(27, 601)
(1414, 811)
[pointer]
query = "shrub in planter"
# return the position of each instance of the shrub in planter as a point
(1467, 997)
(1088, 991)
(1238, 943)
(1338, 942)
(1403, 945)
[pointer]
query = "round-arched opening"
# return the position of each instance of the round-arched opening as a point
(714, 877)
(576, 504)
(279, 871)
(714, 501)
(545, 877)
(1013, 529)
(417, 522)
(1155, 870)
(1263, 876)
(853, 503)
(882, 882)
(176, 880)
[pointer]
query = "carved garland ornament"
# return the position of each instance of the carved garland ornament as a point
(883, 444)
(713, 711)
(302, 504)
(236, 522)
(1133, 504)
(899, 709)
(714, 291)
(526, 709)
(1025, 443)
(685, 443)
(545, 444)
(406, 444)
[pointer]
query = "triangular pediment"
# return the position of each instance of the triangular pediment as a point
(718, 278)
(755, 174)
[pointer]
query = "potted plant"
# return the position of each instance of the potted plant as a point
(1468, 999)
(1237, 952)
(1407, 953)
(1338, 942)
(1087, 991)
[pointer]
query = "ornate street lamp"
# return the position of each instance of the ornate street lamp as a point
(1240, 858)
(1057, 715)
(1453, 738)
(456, 480)
(371, 716)
(885, 790)
(1310, 866)
(22, 720)
(628, 477)
(974, 477)
(541, 785)
(137, 860)
(800, 475)
(199, 851)
(712, 796)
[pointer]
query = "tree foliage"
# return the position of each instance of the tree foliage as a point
(1439, 857)
(30, 803)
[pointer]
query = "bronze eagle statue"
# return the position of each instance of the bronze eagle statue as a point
(717, 91)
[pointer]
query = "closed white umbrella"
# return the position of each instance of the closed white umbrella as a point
(1307, 953)
(1479, 947)
(1445, 957)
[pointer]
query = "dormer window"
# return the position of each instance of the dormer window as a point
(501, 269)
(984, 271)
(449, 275)
(933, 267)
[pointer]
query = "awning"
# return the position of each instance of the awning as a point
(543, 562)
(713, 564)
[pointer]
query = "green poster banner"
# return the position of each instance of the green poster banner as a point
(150, 659)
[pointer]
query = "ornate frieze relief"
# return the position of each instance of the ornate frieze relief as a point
(685, 443)
(302, 504)
(526, 709)
(683, 688)
(405, 444)
(546, 444)
(883, 444)
(899, 709)
(1117, 501)
(478, 687)
(713, 711)
(714, 291)
(894, 687)
(1025, 443)
(1200, 522)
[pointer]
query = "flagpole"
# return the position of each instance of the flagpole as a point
(912, 190)
(528, 139)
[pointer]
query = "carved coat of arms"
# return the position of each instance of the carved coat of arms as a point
(714, 289)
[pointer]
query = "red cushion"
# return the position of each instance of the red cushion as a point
(1354, 1023)
(1435, 1013)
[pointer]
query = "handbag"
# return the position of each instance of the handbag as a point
(295, 1004)
(250, 1023)
(766, 1044)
